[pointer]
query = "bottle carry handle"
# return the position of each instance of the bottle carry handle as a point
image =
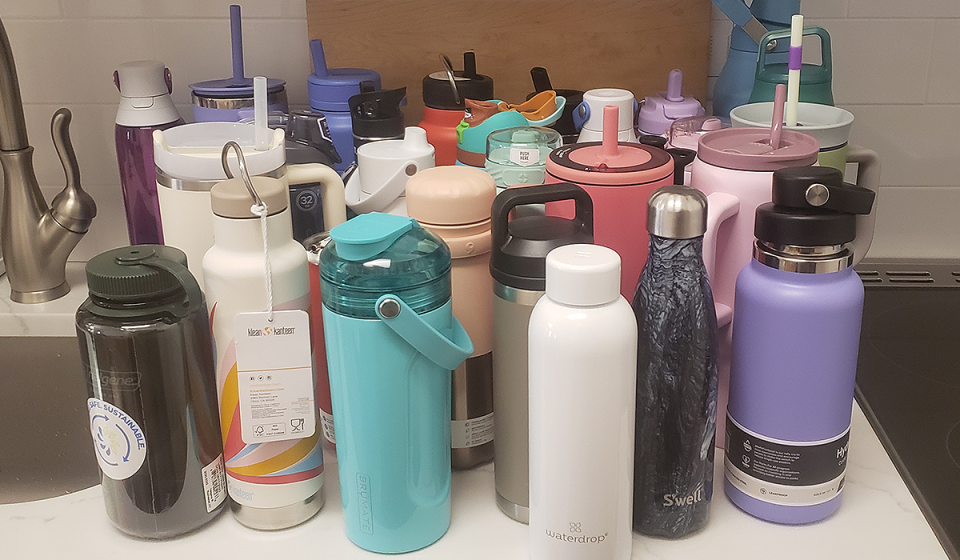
(720, 208)
(446, 352)
(379, 200)
(537, 194)
(781, 34)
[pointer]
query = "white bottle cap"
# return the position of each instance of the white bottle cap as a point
(583, 275)
(144, 95)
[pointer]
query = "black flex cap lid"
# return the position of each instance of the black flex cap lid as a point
(520, 246)
(438, 91)
(821, 188)
(119, 274)
(781, 225)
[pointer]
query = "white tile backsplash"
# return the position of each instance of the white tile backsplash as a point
(896, 67)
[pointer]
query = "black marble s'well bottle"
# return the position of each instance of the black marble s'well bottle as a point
(676, 370)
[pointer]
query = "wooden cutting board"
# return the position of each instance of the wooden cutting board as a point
(583, 44)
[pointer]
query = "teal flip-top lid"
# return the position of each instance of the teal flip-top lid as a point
(375, 254)
(369, 234)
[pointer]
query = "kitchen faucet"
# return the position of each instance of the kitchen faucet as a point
(36, 240)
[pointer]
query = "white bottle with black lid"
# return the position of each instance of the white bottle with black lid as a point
(582, 367)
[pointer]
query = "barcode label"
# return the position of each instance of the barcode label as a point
(214, 483)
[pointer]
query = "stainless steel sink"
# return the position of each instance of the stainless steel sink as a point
(45, 446)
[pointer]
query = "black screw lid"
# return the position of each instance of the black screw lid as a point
(438, 91)
(377, 114)
(120, 275)
(780, 225)
(520, 246)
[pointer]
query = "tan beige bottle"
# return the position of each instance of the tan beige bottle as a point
(454, 203)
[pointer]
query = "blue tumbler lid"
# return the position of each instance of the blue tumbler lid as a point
(330, 89)
(374, 254)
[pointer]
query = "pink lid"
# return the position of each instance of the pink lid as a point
(610, 162)
(748, 149)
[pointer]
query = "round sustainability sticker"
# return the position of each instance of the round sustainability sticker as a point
(117, 440)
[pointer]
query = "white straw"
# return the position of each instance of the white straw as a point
(793, 74)
(261, 132)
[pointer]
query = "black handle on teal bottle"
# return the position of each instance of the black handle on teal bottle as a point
(537, 194)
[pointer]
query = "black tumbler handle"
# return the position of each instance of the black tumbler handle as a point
(537, 194)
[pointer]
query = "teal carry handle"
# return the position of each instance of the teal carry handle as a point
(445, 352)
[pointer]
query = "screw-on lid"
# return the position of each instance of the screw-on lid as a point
(377, 115)
(375, 254)
(749, 149)
(438, 92)
(330, 89)
(119, 274)
(450, 195)
(583, 275)
(145, 87)
(659, 111)
(819, 188)
(231, 199)
(677, 212)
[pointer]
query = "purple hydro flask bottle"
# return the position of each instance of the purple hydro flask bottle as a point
(145, 106)
(796, 332)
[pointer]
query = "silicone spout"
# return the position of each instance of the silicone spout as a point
(319, 60)
(236, 44)
(674, 84)
(415, 139)
(776, 121)
(610, 145)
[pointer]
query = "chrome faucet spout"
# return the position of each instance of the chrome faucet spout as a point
(36, 240)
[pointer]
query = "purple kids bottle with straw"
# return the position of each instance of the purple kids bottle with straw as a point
(145, 106)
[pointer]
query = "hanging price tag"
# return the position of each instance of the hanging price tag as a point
(275, 376)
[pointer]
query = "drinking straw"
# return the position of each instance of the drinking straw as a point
(795, 61)
(776, 122)
(261, 133)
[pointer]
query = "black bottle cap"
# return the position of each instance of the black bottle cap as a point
(310, 129)
(653, 140)
(541, 82)
(377, 114)
(120, 275)
(438, 91)
(819, 188)
(520, 246)
(782, 225)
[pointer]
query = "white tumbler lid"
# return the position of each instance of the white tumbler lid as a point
(583, 275)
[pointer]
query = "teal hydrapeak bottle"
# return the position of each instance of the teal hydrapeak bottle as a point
(392, 341)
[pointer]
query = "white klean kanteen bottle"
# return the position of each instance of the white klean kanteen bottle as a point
(582, 364)
(258, 292)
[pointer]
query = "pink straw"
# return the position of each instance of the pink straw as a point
(610, 144)
(776, 122)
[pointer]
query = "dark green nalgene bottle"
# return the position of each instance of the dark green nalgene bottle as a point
(147, 355)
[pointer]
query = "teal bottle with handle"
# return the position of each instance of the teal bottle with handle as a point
(816, 80)
(392, 341)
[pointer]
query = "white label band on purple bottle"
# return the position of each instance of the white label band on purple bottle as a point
(785, 472)
(275, 376)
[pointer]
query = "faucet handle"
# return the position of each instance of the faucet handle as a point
(72, 208)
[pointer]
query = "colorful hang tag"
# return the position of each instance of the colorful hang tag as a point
(275, 376)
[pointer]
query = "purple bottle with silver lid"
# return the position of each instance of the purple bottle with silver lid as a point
(796, 332)
(145, 106)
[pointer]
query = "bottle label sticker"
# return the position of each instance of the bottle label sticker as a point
(118, 440)
(471, 432)
(784, 472)
(275, 376)
(525, 156)
(326, 424)
(214, 483)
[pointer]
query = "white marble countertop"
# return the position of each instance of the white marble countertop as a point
(878, 519)
(53, 318)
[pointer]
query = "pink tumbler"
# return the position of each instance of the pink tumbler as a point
(734, 168)
(619, 177)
